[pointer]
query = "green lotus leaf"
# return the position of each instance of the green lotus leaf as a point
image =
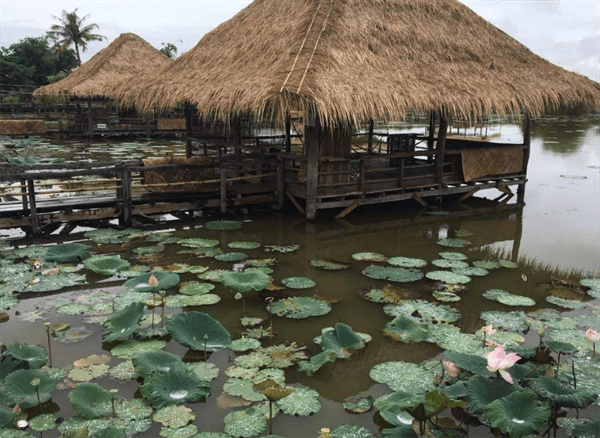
(204, 370)
(243, 388)
(426, 311)
(554, 391)
(459, 256)
(507, 298)
(90, 400)
(105, 235)
(213, 435)
(359, 406)
(183, 432)
(174, 416)
(166, 280)
(298, 282)
(196, 288)
(502, 337)
(397, 275)
(471, 271)
(567, 304)
(514, 321)
(387, 294)
(302, 401)
(341, 339)
(454, 243)
(284, 355)
(130, 348)
(448, 277)
(445, 297)
(299, 307)
(247, 422)
(273, 390)
(450, 264)
(508, 264)
(223, 225)
(73, 309)
(34, 355)
(176, 387)
(406, 329)
(148, 362)
(407, 262)
(316, 362)
(131, 410)
(369, 257)
(240, 372)
(123, 323)
(198, 331)
(450, 338)
(8, 301)
(247, 321)
(191, 300)
(80, 427)
(256, 359)
(243, 245)
(351, 431)
(402, 431)
(245, 281)
(561, 347)
(589, 429)
(231, 257)
(456, 391)
(106, 265)
(482, 391)
(488, 265)
(329, 265)
(148, 250)
(43, 423)
(403, 376)
(518, 414)
(86, 374)
(109, 432)
(17, 389)
(123, 371)
(592, 283)
(7, 419)
(198, 243)
(68, 253)
(244, 344)
(51, 283)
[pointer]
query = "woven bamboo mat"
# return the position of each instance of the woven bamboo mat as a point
(478, 163)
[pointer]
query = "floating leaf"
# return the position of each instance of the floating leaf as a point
(166, 280)
(73, 309)
(251, 322)
(43, 423)
(283, 249)
(88, 373)
(446, 297)
(34, 355)
(488, 265)
(191, 300)
(123, 371)
(196, 288)
(424, 310)
(244, 344)
(183, 432)
(454, 243)
(68, 253)
(302, 401)
(398, 275)
(298, 282)
(514, 321)
(450, 264)
(245, 281)
(129, 348)
(247, 422)
(243, 245)
(223, 225)
(369, 257)
(204, 370)
(243, 388)
(508, 264)
(131, 410)
(329, 265)
(256, 359)
(198, 331)
(123, 323)
(106, 265)
(341, 340)
(283, 356)
(198, 243)
(448, 277)
(407, 262)
(507, 298)
(403, 376)
(567, 304)
(51, 283)
(299, 307)
(174, 416)
(176, 387)
(148, 362)
(90, 400)
(231, 257)
(348, 431)
(453, 256)
(387, 294)
(406, 329)
(471, 271)
(74, 334)
(317, 362)
(359, 406)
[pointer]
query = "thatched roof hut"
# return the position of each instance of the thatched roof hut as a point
(355, 60)
(127, 56)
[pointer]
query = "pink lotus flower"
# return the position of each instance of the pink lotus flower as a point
(499, 361)
(592, 335)
(451, 369)
(488, 329)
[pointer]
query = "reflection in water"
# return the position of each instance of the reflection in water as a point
(564, 135)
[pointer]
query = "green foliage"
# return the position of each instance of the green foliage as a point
(34, 355)
(169, 50)
(176, 387)
(68, 253)
(17, 388)
(245, 281)
(198, 331)
(90, 400)
(123, 323)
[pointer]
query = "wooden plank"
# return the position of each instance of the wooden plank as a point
(420, 200)
(371, 126)
(440, 150)
(500, 186)
(288, 133)
(24, 194)
(469, 194)
(348, 210)
(526, 154)
(431, 136)
(298, 206)
(126, 218)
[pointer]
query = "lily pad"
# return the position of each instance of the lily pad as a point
(130, 348)
(245, 281)
(450, 264)
(123, 371)
(198, 243)
(298, 282)
(329, 265)
(407, 262)
(507, 298)
(302, 401)
(198, 331)
(567, 304)
(300, 307)
(51, 283)
(204, 370)
(359, 406)
(223, 225)
(369, 257)
(90, 400)
(454, 243)
(247, 422)
(17, 388)
(43, 423)
(283, 249)
(518, 414)
(488, 265)
(231, 257)
(387, 294)
(196, 288)
(244, 344)
(176, 387)
(471, 271)
(165, 280)
(445, 297)
(73, 309)
(406, 329)
(514, 321)
(243, 388)
(404, 376)
(174, 416)
(191, 300)
(351, 431)
(34, 355)
(425, 310)
(148, 362)
(397, 275)
(448, 277)
(342, 339)
(68, 253)
(453, 256)
(243, 245)
(106, 265)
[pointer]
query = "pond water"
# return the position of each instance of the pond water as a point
(555, 236)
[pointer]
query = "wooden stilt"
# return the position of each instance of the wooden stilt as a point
(127, 202)
(288, 133)
(419, 200)
(313, 146)
(504, 189)
(348, 210)
(526, 154)
(469, 194)
(188, 130)
(440, 150)
(295, 203)
(431, 137)
(371, 128)
(24, 195)
(32, 208)
(223, 190)
(70, 226)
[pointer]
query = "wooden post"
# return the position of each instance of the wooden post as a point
(24, 196)
(431, 137)
(519, 235)
(371, 127)
(361, 176)
(188, 130)
(90, 117)
(288, 133)
(526, 154)
(35, 228)
(440, 150)
(223, 190)
(313, 147)
(280, 182)
(126, 218)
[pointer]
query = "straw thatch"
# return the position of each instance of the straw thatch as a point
(358, 59)
(127, 56)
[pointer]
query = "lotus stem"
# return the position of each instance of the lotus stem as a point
(205, 342)
(152, 317)
(557, 365)
(37, 393)
(47, 325)
(593, 349)
(484, 339)
(244, 306)
(574, 378)
(113, 305)
(270, 417)
(162, 314)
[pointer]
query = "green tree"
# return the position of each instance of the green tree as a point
(72, 31)
(169, 50)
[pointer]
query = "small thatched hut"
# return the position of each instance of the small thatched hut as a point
(128, 56)
(345, 63)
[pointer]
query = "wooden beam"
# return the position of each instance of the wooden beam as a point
(371, 127)
(440, 150)
(32, 207)
(288, 133)
(127, 202)
(469, 194)
(347, 211)
(419, 200)
(431, 136)
(68, 228)
(526, 154)
(504, 189)
(187, 111)
(313, 146)
(298, 206)
(223, 186)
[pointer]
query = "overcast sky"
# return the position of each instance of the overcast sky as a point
(565, 32)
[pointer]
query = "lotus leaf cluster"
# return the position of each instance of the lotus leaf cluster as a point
(175, 387)
(123, 323)
(507, 298)
(18, 388)
(198, 331)
(397, 275)
(165, 280)
(298, 282)
(300, 307)
(106, 265)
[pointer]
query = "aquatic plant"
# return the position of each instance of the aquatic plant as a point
(141, 283)
(231, 257)
(328, 265)
(243, 245)
(299, 307)
(148, 362)
(18, 388)
(298, 282)
(68, 253)
(369, 257)
(90, 400)
(178, 386)
(407, 262)
(198, 331)
(34, 355)
(499, 361)
(397, 275)
(245, 281)
(123, 323)
(196, 288)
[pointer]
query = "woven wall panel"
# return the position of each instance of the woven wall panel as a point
(180, 175)
(478, 163)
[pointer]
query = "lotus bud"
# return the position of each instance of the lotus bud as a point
(451, 369)
(22, 424)
(488, 329)
(152, 281)
(325, 432)
(162, 293)
(238, 296)
(35, 382)
(592, 335)
(17, 409)
(542, 331)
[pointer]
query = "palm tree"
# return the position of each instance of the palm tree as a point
(71, 30)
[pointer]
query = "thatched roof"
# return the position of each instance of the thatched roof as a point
(127, 56)
(360, 59)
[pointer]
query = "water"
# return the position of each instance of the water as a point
(555, 235)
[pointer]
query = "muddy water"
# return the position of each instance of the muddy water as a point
(555, 233)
